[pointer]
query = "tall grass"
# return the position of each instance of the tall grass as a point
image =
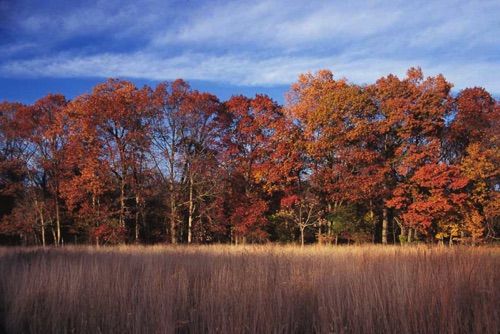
(228, 289)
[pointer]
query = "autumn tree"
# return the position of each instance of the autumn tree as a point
(302, 207)
(433, 199)
(168, 101)
(335, 123)
(88, 192)
(47, 127)
(187, 133)
(110, 134)
(411, 119)
(36, 138)
(246, 164)
(344, 160)
(14, 150)
(472, 143)
(200, 144)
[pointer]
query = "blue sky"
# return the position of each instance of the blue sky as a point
(248, 47)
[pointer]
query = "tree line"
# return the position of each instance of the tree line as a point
(395, 161)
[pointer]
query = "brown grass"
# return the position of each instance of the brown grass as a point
(265, 289)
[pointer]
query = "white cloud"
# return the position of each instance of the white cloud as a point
(62, 21)
(272, 24)
(245, 70)
(15, 48)
(266, 42)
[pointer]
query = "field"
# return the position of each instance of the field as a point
(250, 289)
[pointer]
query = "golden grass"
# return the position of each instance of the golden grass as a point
(250, 289)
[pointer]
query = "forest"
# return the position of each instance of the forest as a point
(395, 161)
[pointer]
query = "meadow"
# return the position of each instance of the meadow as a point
(250, 289)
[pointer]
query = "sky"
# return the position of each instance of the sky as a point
(241, 47)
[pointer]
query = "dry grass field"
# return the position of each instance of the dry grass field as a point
(247, 289)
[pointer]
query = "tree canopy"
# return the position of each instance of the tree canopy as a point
(395, 161)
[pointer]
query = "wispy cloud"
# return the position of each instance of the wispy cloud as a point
(244, 69)
(15, 48)
(277, 24)
(262, 42)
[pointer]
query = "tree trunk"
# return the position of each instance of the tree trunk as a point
(402, 235)
(173, 214)
(137, 215)
(58, 214)
(173, 228)
(409, 235)
(58, 220)
(95, 208)
(372, 221)
(54, 237)
(190, 209)
(190, 224)
(122, 202)
(302, 236)
(393, 233)
(385, 223)
(42, 221)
